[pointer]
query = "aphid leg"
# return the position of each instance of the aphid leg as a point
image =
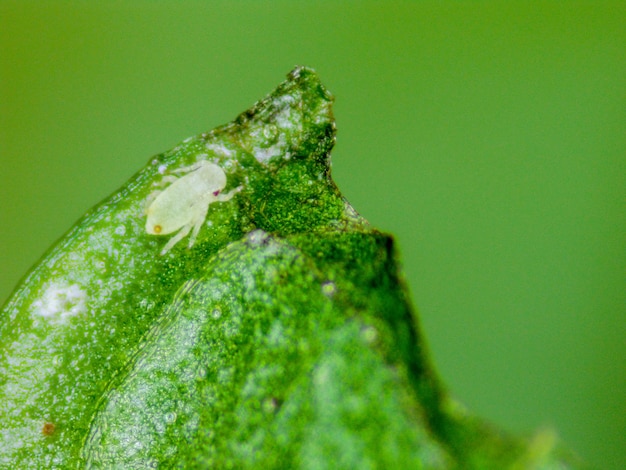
(229, 195)
(197, 225)
(176, 238)
(167, 179)
(187, 169)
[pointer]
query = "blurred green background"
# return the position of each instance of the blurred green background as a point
(489, 137)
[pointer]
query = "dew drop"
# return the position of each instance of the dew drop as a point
(270, 405)
(270, 132)
(257, 237)
(170, 417)
(100, 264)
(329, 288)
(216, 313)
(369, 334)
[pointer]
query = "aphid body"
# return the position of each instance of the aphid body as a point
(184, 204)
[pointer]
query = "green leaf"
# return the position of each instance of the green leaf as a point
(283, 338)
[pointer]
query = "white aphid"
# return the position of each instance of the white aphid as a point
(183, 205)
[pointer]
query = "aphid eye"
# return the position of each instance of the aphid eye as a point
(48, 429)
(215, 193)
(157, 229)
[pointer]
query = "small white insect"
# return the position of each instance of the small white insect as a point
(184, 204)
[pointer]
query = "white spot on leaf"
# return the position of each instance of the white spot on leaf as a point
(219, 149)
(60, 302)
(263, 155)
